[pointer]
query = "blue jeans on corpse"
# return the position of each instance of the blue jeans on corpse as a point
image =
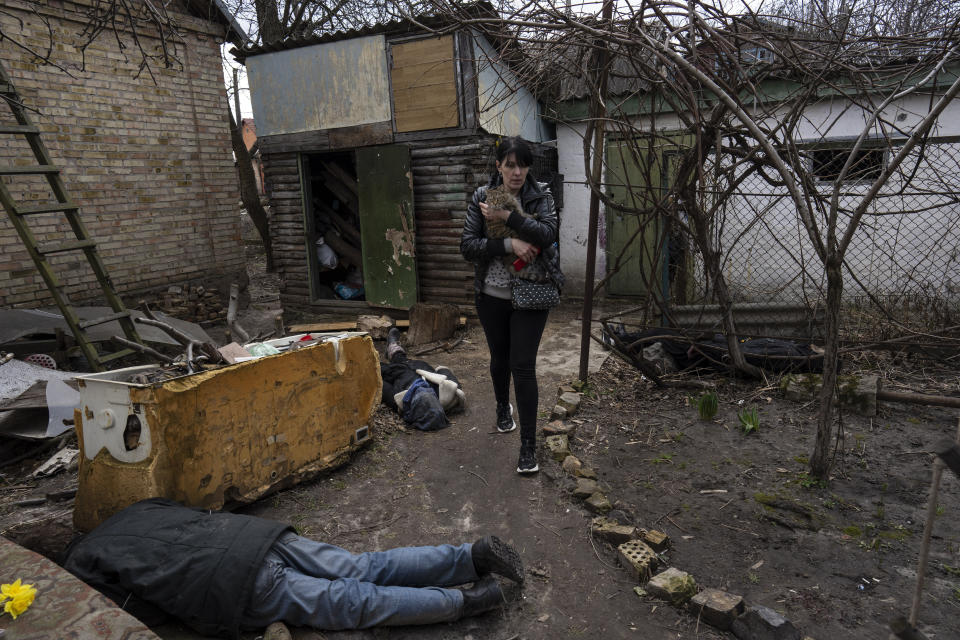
(314, 584)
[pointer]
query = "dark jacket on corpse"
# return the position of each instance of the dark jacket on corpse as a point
(195, 565)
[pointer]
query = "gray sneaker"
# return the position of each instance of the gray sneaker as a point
(505, 423)
(528, 459)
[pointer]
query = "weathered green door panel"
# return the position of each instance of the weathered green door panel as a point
(628, 180)
(638, 174)
(386, 225)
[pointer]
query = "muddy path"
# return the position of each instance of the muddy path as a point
(837, 559)
(742, 514)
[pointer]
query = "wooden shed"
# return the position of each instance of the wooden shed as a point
(372, 143)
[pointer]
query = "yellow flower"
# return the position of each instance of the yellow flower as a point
(19, 597)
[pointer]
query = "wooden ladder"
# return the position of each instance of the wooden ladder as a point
(82, 241)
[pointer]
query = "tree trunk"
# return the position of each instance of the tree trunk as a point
(248, 190)
(821, 462)
(268, 19)
(712, 262)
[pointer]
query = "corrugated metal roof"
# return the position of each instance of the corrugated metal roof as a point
(421, 25)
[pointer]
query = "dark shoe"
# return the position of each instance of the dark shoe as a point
(484, 595)
(528, 459)
(505, 423)
(393, 336)
(492, 555)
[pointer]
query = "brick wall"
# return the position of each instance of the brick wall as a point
(149, 163)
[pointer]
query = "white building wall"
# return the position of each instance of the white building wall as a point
(764, 239)
(576, 212)
(894, 251)
(506, 107)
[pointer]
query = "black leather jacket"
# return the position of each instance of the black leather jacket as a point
(540, 230)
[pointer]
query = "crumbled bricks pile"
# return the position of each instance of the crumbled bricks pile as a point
(193, 303)
(641, 551)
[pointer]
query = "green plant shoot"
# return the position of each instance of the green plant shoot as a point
(749, 419)
(707, 405)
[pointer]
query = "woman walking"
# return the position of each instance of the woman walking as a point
(510, 235)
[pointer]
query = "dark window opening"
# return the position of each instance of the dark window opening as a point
(867, 164)
(131, 433)
(333, 227)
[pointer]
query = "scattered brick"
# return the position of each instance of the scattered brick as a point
(559, 447)
(612, 531)
(639, 557)
(598, 503)
(717, 608)
(672, 585)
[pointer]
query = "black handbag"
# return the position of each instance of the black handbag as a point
(528, 295)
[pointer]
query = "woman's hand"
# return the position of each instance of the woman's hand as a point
(524, 250)
(493, 214)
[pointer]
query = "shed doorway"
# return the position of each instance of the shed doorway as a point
(358, 226)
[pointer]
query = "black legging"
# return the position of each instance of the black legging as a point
(513, 338)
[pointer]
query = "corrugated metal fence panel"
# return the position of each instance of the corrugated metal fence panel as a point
(324, 86)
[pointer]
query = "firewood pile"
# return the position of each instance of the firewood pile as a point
(194, 303)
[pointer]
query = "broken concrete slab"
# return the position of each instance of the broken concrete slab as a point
(717, 608)
(585, 488)
(376, 326)
(761, 623)
(570, 401)
(572, 465)
(598, 503)
(638, 557)
(65, 607)
(558, 446)
(857, 393)
(612, 531)
(672, 585)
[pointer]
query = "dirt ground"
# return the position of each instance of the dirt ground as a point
(838, 560)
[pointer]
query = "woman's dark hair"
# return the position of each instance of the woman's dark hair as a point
(517, 146)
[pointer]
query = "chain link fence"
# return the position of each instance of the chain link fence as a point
(903, 262)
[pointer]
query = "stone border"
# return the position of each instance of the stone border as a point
(640, 550)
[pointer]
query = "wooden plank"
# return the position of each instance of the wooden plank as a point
(424, 85)
(426, 50)
(449, 150)
(361, 135)
(415, 117)
(422, 75)
(323, 326)
(349, 325)
(468, 80)
(341, 174)
(292, 142)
